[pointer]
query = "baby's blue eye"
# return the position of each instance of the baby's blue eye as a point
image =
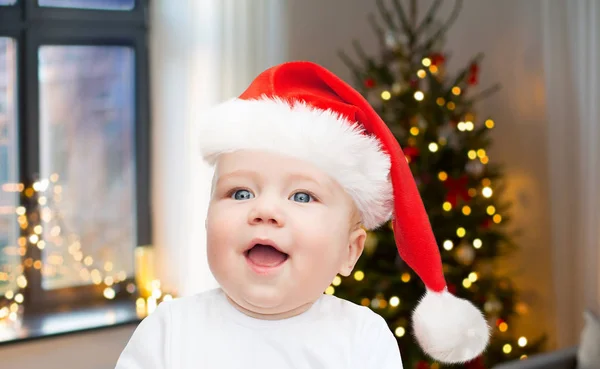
(301, 197)
(242, 195)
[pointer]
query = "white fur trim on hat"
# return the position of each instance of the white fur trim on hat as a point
(450, 329)
(338, 147)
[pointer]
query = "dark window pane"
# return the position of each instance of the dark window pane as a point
(8, 2)
(87, 156)
(10, 259)
(89, 4)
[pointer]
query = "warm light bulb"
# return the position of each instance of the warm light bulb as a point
(109, 293)
(466, 283)
(497, 218)
(337, 281)
(507, 348)
(487, 192)
(433, 69)
(469, 126)
(442, 176)
(447, 206)
(460, 232)
(481, 153)
(473, 277)
(394, 301)
(448, 245)
(461, 126)
(477, 243)
(472, 154)
(330, 290)
(400, 331)
(433, 147)
(503, 327)
(451, 106)
(359, 275)
(440, 101)
(405, 277)
(419, 96)
(489, 123)
(522, 341)
(386, 95)
(421, 73)
(426, 62)
(414, 131)
(491, 210)
(456, 90)
(19, 298)
(466, 210)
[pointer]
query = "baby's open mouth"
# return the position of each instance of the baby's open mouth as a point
(266, 256)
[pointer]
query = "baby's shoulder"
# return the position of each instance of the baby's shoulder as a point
(343, 311)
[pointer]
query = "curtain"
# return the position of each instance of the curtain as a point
(571, 57)
(201, 52)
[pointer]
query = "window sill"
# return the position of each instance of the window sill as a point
(42, 326)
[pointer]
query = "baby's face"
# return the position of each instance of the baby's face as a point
(278, 232)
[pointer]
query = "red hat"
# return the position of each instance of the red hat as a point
(302, 110)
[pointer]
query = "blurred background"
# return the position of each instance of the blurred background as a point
(103, 195)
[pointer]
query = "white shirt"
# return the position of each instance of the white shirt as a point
(206, 332)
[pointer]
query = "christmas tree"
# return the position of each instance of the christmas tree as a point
(446, 143)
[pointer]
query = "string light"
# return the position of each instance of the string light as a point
(405, 277)
(497, 218)
(489, 123)
(419, 95)
(414, 131)
(440, 101)
(394, 301)
(400, 331)
(386, 95)
(456, 90)
(330, 290)
(359, 275)
(466, 283)
(507, 348)
(522, 341)
(477, 243)
(451, 106)
(460, 232)
(433, 147)
(448, 245)
(442, 176)
(466, 210)
(337, 280)
(447, 206)
(433, 69)
(503, 327)
(426, 62)
(421, 73)
(487, 192)
(472, 154)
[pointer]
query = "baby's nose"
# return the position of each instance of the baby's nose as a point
(266, 213)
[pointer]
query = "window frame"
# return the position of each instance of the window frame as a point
(33, 26)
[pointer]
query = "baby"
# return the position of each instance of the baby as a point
(303, 165)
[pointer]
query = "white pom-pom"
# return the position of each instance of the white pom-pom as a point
(450, 329)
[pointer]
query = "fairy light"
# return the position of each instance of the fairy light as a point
(451, 106)
(433, 69)
(507, 348)
(460, 232)
(433, 147)
(337, 280)
(405, 277)
(394, 301)
(400, 331)
(497, 218)
(466, 210)
(489, 123)
(426, 62)
(419, 95)
(456, 90)
(472, 154)
(330, 290)
(466, 283)
(442, 176)
(359, 275)
(414, 131)
(485, 160)
(469, 126)
(503, 327)
(386, 95)
(522, 341)
(448, 245)
(421, 73)
(440, 101)
(473, 277)
(487, 192)
(447, 206)
(477, 243)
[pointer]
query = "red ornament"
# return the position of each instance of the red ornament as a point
(452, 288)
(473, 76)
(457, 189)
(437, 59)
(487, 222)
(411, 152)
(414, 83)
(476, 363)
(422, 365)
(369, 83)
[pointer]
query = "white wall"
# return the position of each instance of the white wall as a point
(509, 33)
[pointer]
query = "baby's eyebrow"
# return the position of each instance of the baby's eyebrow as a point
(237, 173)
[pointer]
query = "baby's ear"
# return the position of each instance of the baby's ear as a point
(356, 245)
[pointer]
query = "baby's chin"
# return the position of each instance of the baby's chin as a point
(270, 305)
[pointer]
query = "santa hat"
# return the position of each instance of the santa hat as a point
(302, 110)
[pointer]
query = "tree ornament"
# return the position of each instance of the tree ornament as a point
(457, 189)
(422, 364)
(465, 254)
(475, 167)
(476, 363)
(369, 82)
(473, 76)
(437, 59)
(493, 306)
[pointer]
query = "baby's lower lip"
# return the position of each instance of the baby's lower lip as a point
(262, 269)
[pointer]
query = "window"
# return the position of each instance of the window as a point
(74, 152)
